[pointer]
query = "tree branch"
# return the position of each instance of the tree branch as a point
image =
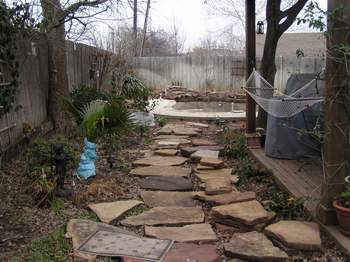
(291, 15)
(75, 7)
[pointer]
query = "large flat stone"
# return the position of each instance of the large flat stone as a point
(165, 183)
(187, 252)
(166, 199)
(161, 171)
(212, 162)
(166, 216)
(203, 142)
(107, 212)
(198, 155)
(205, 175)
(169, 137)
(200, 167)
(223, 199)
(166, 152)
(189, 233)
(80, 229)
(247, 213)
(198, 125)
(299, 235)
(161, 161)
(164, 144)
(188, 151)
(253, 246)
(218, 186)
(186, 131)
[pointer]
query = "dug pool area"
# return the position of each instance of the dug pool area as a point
(199, 110)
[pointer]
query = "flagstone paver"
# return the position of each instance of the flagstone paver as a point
(80, 229)
(223, 199)
(299, 235)
(203, 142)
(161, 171)
(187, 252)
(247, 213)
(166, 152)
(165, 198)
(161, 161)
(188, 233)
(205, 175)
(212, 162)
(254, 246)
(166, 216)
(167, 183)
(189, 150)
(109, 211)
(198, 155)
(199, 125)
(218, 186)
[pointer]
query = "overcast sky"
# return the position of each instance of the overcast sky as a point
(192, 18)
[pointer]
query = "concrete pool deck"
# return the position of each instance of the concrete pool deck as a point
(166, 108)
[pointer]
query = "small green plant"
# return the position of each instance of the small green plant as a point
(247, 170)
(345, 197)
(56, 206)
(84, 95)
(235, 147)
(54, 247)
(286, 206)
(161, 120)
(176, 83)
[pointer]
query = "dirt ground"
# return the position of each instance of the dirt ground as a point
(23, 219)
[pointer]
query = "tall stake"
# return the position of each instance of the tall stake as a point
(250, 62)
(145, 27)
(337, 120)
(135, 28)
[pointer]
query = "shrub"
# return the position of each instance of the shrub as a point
(161, 120)
(286, 206)
(235, 147)
(84, 94)
(345, 197)
(247, 170)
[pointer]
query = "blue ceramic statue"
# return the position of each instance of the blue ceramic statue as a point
(87, 167)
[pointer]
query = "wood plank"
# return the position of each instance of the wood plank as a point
(301, 183)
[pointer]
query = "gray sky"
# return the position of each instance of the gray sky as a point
(192, 18)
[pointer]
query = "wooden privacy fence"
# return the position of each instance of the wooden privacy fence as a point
(30, 108)
(220, 73)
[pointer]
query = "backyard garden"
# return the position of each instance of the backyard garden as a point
(98, 165)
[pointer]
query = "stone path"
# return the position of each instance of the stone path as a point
(181, 156)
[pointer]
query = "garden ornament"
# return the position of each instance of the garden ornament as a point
(60, 161)
(87, 167)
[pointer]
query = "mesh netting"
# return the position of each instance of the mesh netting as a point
(278, 104)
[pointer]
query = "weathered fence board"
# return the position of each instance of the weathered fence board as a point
(220, 73)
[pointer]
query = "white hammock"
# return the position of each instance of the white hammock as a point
(278, 104)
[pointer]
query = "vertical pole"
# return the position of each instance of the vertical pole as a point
(250, 62)
(336, 127)
(135, 27)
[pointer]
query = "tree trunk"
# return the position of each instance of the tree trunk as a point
(135, 27)
(337, 118)
(268, 68)
(145, 27)
(58, 80)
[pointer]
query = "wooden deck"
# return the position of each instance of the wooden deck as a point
(301, 180)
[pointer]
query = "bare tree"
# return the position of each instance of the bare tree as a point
(177, 39)
(145, 27)
(278, 22)
(55, 18)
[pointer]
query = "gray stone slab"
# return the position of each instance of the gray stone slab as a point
(299, 235)
(223, 199)
(166, 216)
(188, 233)
(161, 161)
(253, 246)
(166, 199)
(161, 171)
(247, 213)
(166, 183)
